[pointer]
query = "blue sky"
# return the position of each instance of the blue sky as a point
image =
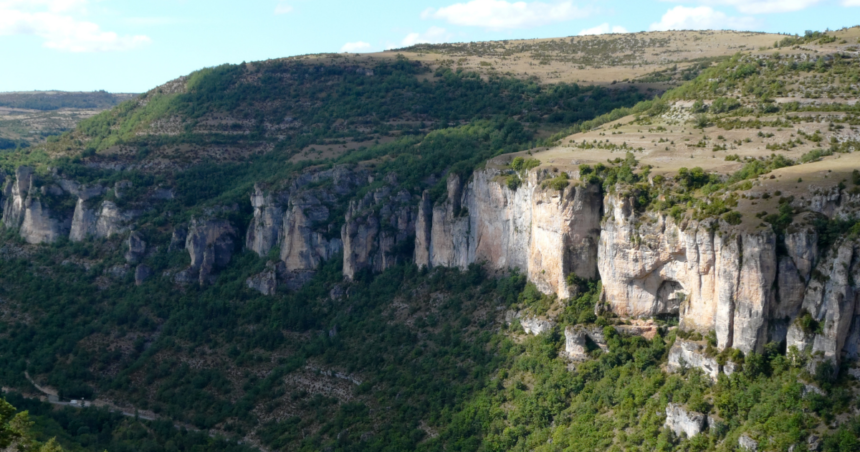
(135, 45)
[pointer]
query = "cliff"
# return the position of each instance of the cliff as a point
(745, 285)
(378, 229)
(547, 233)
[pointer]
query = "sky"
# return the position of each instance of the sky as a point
(136, 45)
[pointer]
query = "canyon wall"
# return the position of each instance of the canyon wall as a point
(544, 232)
(746, 286)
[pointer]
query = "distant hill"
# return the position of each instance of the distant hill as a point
(55, 100)
(29, 118)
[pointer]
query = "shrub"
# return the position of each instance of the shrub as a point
(733, 218)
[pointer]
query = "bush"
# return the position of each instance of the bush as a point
(733, 218)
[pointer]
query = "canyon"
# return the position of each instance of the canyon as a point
(745, 286)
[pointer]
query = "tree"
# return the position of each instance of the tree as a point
(15, 430)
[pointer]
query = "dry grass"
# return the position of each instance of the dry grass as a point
(616, 57)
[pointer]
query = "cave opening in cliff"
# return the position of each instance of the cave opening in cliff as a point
(670, 297)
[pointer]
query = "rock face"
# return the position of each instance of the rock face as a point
(27, 208)
(650, 266)
(100, 221)
(689, 354)
(136, 248)
(679, 420)
(747, 443)
(714, 277)
(730, 281)
(831, 301)
(378, 230)
(308, 238)
(576, 340)
(299, 220)
(575, 346)
(536, 325)
(210, 243)
(264, 233)
(266, 282)
(546, 232)
(16, 195)
(40, 225)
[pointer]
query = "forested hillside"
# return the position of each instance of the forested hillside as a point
(385, 253)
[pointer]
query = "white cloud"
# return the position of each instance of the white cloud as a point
(354, 47)
(701, 18)
(433, 35)
(56, 23)
(283, 8)
(761, 6)
(602, 29)
(500, 14)
(851, 3)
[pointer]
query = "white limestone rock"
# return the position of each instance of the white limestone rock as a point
(745, 442)
(690, 354)
(681, 421)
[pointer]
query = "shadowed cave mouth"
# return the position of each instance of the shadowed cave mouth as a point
(670, 295)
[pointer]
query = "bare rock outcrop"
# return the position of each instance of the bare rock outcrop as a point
(298, 219)
(651, 265)
(136, 248)
(679, 420)
(536, 325)
(745, 442)
(308, 237)
(266, 282)
(690, 354)
(545, 232)
(830, 302)
(40, 225)
(16, 194)
(210, 243)
(28, 208)
(101, 221)
(577, 338)
(264, 233)
(378, 229)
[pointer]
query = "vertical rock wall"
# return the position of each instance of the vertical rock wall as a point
(378, 230)
(546, 233)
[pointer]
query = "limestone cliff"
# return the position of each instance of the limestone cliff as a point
(545, 232)
(264, 233)
(732, 281)
(15, 195)
(747, 285)
(28, 208)
(299, 219)
(100, 221)
(711, 276)
(830, 301)
(210, 243)
(377, 230)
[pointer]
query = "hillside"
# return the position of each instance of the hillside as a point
(416, 251)
(29, 118)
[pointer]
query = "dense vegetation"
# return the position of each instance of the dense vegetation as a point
(435, 375)
(293, 104)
